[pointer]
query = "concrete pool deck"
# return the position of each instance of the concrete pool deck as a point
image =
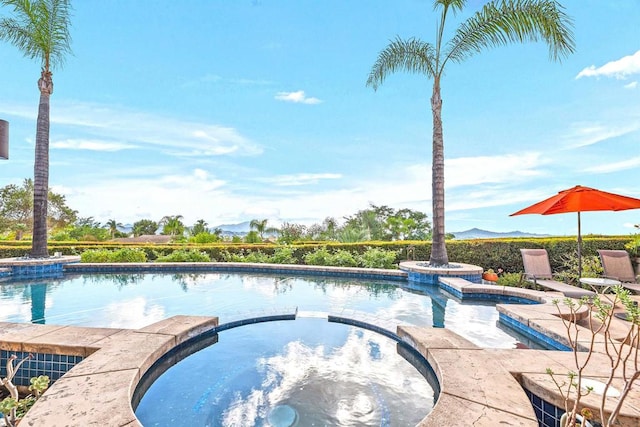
(479, 387)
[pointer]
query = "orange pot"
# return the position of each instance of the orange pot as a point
(490, 277)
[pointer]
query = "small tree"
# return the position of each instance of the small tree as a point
(144, 226)
(16, 207)
(290, 233)
(623, 355)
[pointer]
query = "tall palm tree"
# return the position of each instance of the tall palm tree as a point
(40, 29)
(498, 23)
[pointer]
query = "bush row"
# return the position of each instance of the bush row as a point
(371, 258)
(487, 253)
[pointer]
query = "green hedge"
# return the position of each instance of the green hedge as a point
(487, 253)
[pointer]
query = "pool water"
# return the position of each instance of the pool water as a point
(305, 372)
(137, 300)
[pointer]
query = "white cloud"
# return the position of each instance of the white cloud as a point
(585, 134)
(631, 85)
(631, 163)
(300, 179)
(173, 136)
(620, 69)
(476, 198)
(91, 145)
(297, 97)
(506, 168)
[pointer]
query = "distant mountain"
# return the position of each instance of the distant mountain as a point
(234, 229)
(476, 233)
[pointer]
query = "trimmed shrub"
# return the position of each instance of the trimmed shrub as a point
(343, 258)
(487, 253)
(182, 255)
(119, 255)
(204, 238)
(320, 256)
(284, 255)
(129, 255)
(379, 258)
(256, 256)
(227, 256)
(96, 255)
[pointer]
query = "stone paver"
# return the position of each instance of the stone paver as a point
(13, 335)
(68, 340)
(468, 373)
(92, 400)
(452, 411)
(125, 350)
(182, 327)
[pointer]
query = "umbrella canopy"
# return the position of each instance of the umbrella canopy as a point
(581, 199)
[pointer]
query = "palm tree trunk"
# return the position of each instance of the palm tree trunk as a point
(438, 248)
(41, 169)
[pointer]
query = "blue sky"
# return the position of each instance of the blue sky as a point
(248, 109)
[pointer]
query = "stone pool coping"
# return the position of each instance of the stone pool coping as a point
(244, 267)
(98, 391)
(484, 387)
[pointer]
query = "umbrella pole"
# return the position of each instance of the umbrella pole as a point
(579, 248)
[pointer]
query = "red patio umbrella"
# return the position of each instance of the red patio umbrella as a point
(581, 199)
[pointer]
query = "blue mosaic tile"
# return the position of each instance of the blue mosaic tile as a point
(531, 333)
(433, 279)
(547, 414)
(52, 365)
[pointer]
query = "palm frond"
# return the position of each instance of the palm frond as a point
(455, 5)
(60, 38)
(412, 55)
(514, 21)
(39, 28)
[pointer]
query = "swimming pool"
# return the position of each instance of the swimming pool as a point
(246, 377)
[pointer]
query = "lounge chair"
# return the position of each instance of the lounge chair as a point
(538, 269)
(617, 265)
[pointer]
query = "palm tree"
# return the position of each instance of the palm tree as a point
(113, 225)
(172, 225)
(498, 23)
(260, 225)
(40, 29)
(199, 227)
